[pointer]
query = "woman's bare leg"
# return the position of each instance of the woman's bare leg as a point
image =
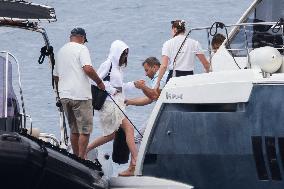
(100, 141)
(129, 133)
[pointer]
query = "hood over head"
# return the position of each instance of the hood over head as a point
(116, 49)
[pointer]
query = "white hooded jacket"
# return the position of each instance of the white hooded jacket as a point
(116, 74)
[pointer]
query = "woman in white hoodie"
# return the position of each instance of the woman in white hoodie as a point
(111, 71)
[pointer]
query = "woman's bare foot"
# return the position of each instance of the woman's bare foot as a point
(128, 172)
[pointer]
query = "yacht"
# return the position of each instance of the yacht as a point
(225, 129)
(31, 159)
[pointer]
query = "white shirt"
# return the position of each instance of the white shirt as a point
(73, 82)
(185, 59)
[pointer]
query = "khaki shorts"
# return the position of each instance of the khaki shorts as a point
(79, 114)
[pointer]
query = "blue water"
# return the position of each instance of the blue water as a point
(143, 24)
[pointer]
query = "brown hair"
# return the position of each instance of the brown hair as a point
(123, 58)
(179, 25)
(218, 39)
(151, 61)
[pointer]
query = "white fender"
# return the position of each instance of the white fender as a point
(268, 59)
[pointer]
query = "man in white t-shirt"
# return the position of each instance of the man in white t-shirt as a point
(71, 73)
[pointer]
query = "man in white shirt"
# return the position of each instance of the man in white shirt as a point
(71, 73)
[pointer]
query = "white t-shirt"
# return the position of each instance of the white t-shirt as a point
(73, 82)
(185, 59)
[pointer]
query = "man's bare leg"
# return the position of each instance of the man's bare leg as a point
(83, 143)
(74, 143)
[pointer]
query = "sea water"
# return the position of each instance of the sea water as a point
(143, 24)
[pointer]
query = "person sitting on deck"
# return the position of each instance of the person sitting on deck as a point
(217, 41)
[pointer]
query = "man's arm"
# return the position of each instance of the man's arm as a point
(153, 94)
(204, 62)
(140, 101)
(162, 70)
(89, 70)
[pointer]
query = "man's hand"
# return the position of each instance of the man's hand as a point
(91, 73)
(102, 86)
(139, 84)
(126, 102)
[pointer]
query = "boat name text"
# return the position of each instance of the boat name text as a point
(174, 96)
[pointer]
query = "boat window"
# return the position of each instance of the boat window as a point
(258, 35)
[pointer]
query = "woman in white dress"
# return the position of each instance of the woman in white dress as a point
(111, 71)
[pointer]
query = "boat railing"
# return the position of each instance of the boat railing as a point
(245, 38)
(44, 136)
(246, 27)
(8, 86)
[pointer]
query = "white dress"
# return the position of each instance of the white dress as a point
(110, 115)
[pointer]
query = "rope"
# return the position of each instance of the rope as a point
(66, 138)
(48, 51)
(124, 114)
(44, 51)
(23, 107)
(181, 46)
(278, 25)
(217, 25)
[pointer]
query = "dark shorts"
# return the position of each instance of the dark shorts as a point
(79, 114)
